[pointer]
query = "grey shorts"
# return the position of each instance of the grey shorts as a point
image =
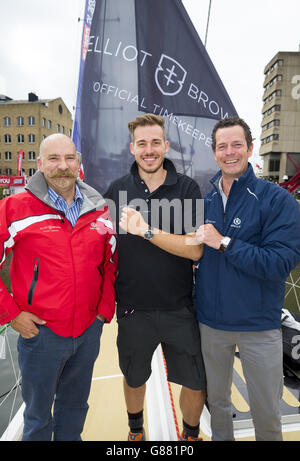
(140, 333)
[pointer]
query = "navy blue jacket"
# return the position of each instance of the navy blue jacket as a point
(243, 289)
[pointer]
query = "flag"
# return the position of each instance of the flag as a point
(20, 161)
(81, 171)
(140, 56)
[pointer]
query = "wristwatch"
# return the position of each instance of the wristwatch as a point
(224, 243)
(149, 234)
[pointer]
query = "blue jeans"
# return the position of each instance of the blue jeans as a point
(57, 371)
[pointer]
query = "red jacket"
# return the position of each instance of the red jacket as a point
(63, 275)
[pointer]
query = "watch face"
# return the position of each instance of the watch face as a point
(224, 244)
(148, 234)
(226, 241)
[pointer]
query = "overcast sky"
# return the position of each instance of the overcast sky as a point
(40, 42)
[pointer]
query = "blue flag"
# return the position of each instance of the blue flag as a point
(142, 56)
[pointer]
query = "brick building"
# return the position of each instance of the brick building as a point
(24, 124)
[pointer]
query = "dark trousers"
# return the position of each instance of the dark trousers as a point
(57, 372)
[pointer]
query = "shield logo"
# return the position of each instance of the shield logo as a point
(169, 76)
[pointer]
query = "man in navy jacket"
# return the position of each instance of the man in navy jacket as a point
(252, 242)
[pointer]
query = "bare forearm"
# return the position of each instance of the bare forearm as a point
(185, 246)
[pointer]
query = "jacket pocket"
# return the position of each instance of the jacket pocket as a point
(34, 281)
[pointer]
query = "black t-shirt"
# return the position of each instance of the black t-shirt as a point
(149, 277)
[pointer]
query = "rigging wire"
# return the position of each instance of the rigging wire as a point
(207, 24)
(15, 386)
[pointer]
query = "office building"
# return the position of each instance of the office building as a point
(23, 125)
(280, 137)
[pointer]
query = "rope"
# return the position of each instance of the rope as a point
(172, 400)
(3, 328)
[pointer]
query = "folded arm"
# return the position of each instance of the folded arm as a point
(185, 246)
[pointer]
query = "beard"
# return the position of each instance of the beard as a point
(149, 169)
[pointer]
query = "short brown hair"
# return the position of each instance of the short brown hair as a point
(228, 122)
(144, 120)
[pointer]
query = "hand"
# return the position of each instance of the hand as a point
(24, 324)
(132, 222)
(208, 234)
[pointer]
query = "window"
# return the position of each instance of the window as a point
(273, 137)
(20, 138)
(274, 123)
(31, 155)
(7, 138)
(271, 125)
(49, 124)
(279, 62)
(20, 121)
(43, 122)
(31, 138)
(7, 121)
(7, 155)
(276, 108)
(57, 128)
(274, 165)
(273, 95)
(274, 80)
(8, 171)
(31, 120)
(31, 171)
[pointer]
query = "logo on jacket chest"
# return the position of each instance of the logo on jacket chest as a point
(50, 228)
(210, 221)
(236, 223)
(101, 225)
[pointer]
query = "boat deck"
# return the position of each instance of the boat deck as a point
(107, 416)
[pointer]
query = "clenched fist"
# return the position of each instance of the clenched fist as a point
(208, 234)
(132, 222)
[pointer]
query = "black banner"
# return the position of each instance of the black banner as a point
(145, 56)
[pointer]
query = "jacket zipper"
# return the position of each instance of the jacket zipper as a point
(34, 281)
(219, 315)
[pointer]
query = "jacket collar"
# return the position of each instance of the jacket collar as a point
(38, 186)
(246, 178)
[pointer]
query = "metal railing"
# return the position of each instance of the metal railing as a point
(10, 378)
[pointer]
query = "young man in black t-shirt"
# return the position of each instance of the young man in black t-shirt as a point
(156, 211)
